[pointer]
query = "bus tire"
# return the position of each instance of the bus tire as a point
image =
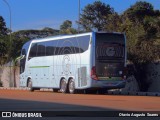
(71, 86)
(102, 91)
(29, 85)
(90, 91)
(63, 86)
(55, 90)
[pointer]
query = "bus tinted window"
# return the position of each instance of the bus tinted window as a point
(25, 47)
(23, 61)
(72, 45)
(33, 50)
(110, 54)
(83, 42)
(55, 46)
(41, 51)
(109, 46)
(60, 47)
(66, 46)
(49, 48)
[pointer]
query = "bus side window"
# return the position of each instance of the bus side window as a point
(83, 42)
(33, 51)
(22, 61)
(41, 49)
(49, 48)
(55, 47)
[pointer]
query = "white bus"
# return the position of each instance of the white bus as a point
(90, 62)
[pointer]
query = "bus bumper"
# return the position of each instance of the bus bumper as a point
(108, 84)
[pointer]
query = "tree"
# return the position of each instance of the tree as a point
(139, 11)
(94, 16)
(114, 22)
(3, 29)
(3, 41)
(66, 25)
(151, 25)
(17, 43)
(140, 23)
(3, 51)
(66, 28)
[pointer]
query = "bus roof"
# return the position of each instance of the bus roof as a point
(60, 37)
(66, 36)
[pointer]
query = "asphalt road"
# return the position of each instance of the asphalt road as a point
(22, 100)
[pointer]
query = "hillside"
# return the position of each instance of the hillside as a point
(31, 34)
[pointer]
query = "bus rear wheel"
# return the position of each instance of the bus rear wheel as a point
(63, 86)
(71, 86)
(102, 91)
(90, 91)
(55, 90)
(29, 85)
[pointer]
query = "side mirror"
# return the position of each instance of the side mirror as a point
(17, 60)
(21, 57)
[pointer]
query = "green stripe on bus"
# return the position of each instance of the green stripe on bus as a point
(38, 66)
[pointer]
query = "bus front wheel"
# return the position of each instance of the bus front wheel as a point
(29, 85)
(71, 86)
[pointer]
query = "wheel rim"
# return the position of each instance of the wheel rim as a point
(71, 86)
(30, 85)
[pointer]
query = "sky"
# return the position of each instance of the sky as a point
(37, 14)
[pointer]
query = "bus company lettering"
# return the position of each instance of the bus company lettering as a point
(34, 115)
(14, 114)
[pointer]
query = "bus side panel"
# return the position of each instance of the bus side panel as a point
(73, 65)
(83, 70)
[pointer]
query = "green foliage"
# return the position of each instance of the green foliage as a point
(66, 28)
(66, 25)
(3, 29)
(3, 47)
(151, 26)
(113, 23)
(37, 33)
(139, 10)
(94, 16)
(17, 43)
(3, 41)
(140, 22)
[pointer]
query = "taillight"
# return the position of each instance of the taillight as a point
(125, 70)
(124, 77)
(93, 73)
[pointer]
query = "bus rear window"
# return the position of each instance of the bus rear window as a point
(110, 46)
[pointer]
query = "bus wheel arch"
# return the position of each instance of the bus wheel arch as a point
(63, 85)
(29, 84)
(71, 86)
(28, 81)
